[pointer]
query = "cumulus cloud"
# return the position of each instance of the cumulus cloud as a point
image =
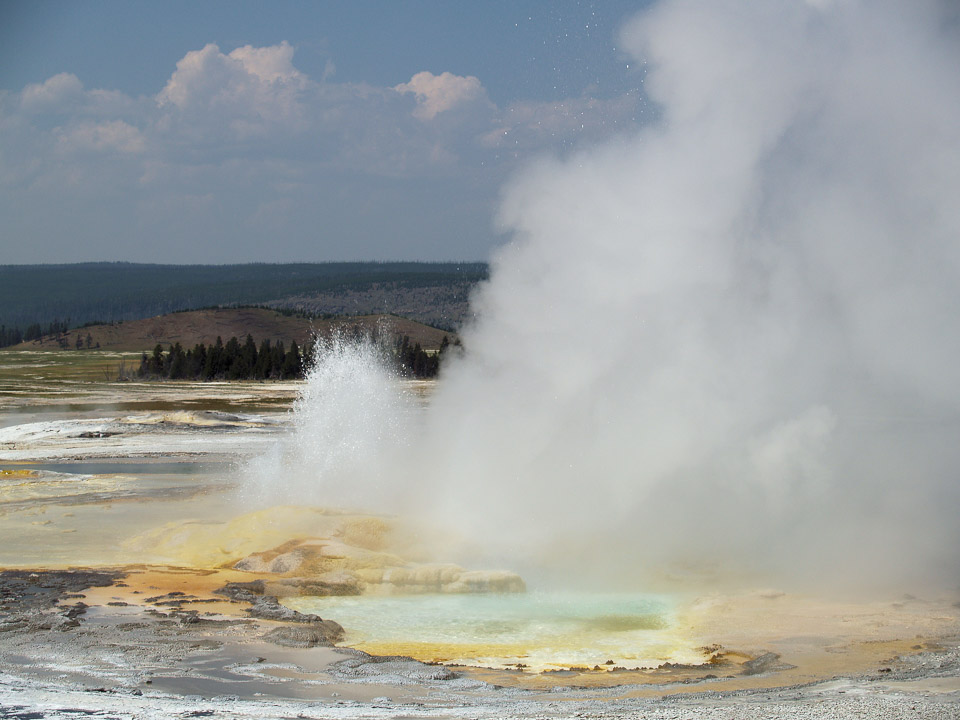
(245, 129)
(270, 64)
(52, 95)
(208, 74)
(114, 135)
(249, 92)
(440, 93)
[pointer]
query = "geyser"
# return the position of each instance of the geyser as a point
(726, 342)
(351, 420)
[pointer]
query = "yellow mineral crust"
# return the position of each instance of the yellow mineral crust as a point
(314, 551)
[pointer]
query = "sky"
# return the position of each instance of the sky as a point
(223, 132)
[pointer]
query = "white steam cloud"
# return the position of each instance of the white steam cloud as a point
(734, 337)
(728, 344)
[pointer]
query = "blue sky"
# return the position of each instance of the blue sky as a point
(285, 131)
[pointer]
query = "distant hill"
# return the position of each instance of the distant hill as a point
(203, 326)
(435, 293)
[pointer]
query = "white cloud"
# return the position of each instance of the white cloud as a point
(52, 95)
(115, 135)
(247, 130)
(440, 93)
(249, 92)
(200, 73)
(269, 64)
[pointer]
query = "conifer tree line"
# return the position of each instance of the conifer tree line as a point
(411, 359)
(235, 361)
(15, 336)
(225, 361)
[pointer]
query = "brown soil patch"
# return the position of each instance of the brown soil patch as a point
(204, 326)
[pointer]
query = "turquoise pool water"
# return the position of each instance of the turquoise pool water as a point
(540, 630)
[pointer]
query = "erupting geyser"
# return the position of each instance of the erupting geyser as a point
(351, 420)
(730, 339)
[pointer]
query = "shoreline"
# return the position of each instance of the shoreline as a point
(159, 640)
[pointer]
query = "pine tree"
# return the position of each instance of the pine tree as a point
(156, 361)
(264, 361)
(292, 363)
(177, 363)
(213, 367)
(249, 353)
(279, 355)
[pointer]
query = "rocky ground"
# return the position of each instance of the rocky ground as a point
(161, 643)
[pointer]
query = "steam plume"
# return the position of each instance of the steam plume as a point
(733, 337)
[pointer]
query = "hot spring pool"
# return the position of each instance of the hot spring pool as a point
(541, 630)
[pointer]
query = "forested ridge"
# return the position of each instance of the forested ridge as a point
(85, 293)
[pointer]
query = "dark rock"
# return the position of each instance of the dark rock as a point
(300, 636)
(171, 598)
(268, 607)
(128, 626)
(76, 610)
(768, 662)
(23, 591)
(389, 667)
(242, 591)
(677, 666)
(52, 621)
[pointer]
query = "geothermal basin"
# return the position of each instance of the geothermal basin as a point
(150, 482)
